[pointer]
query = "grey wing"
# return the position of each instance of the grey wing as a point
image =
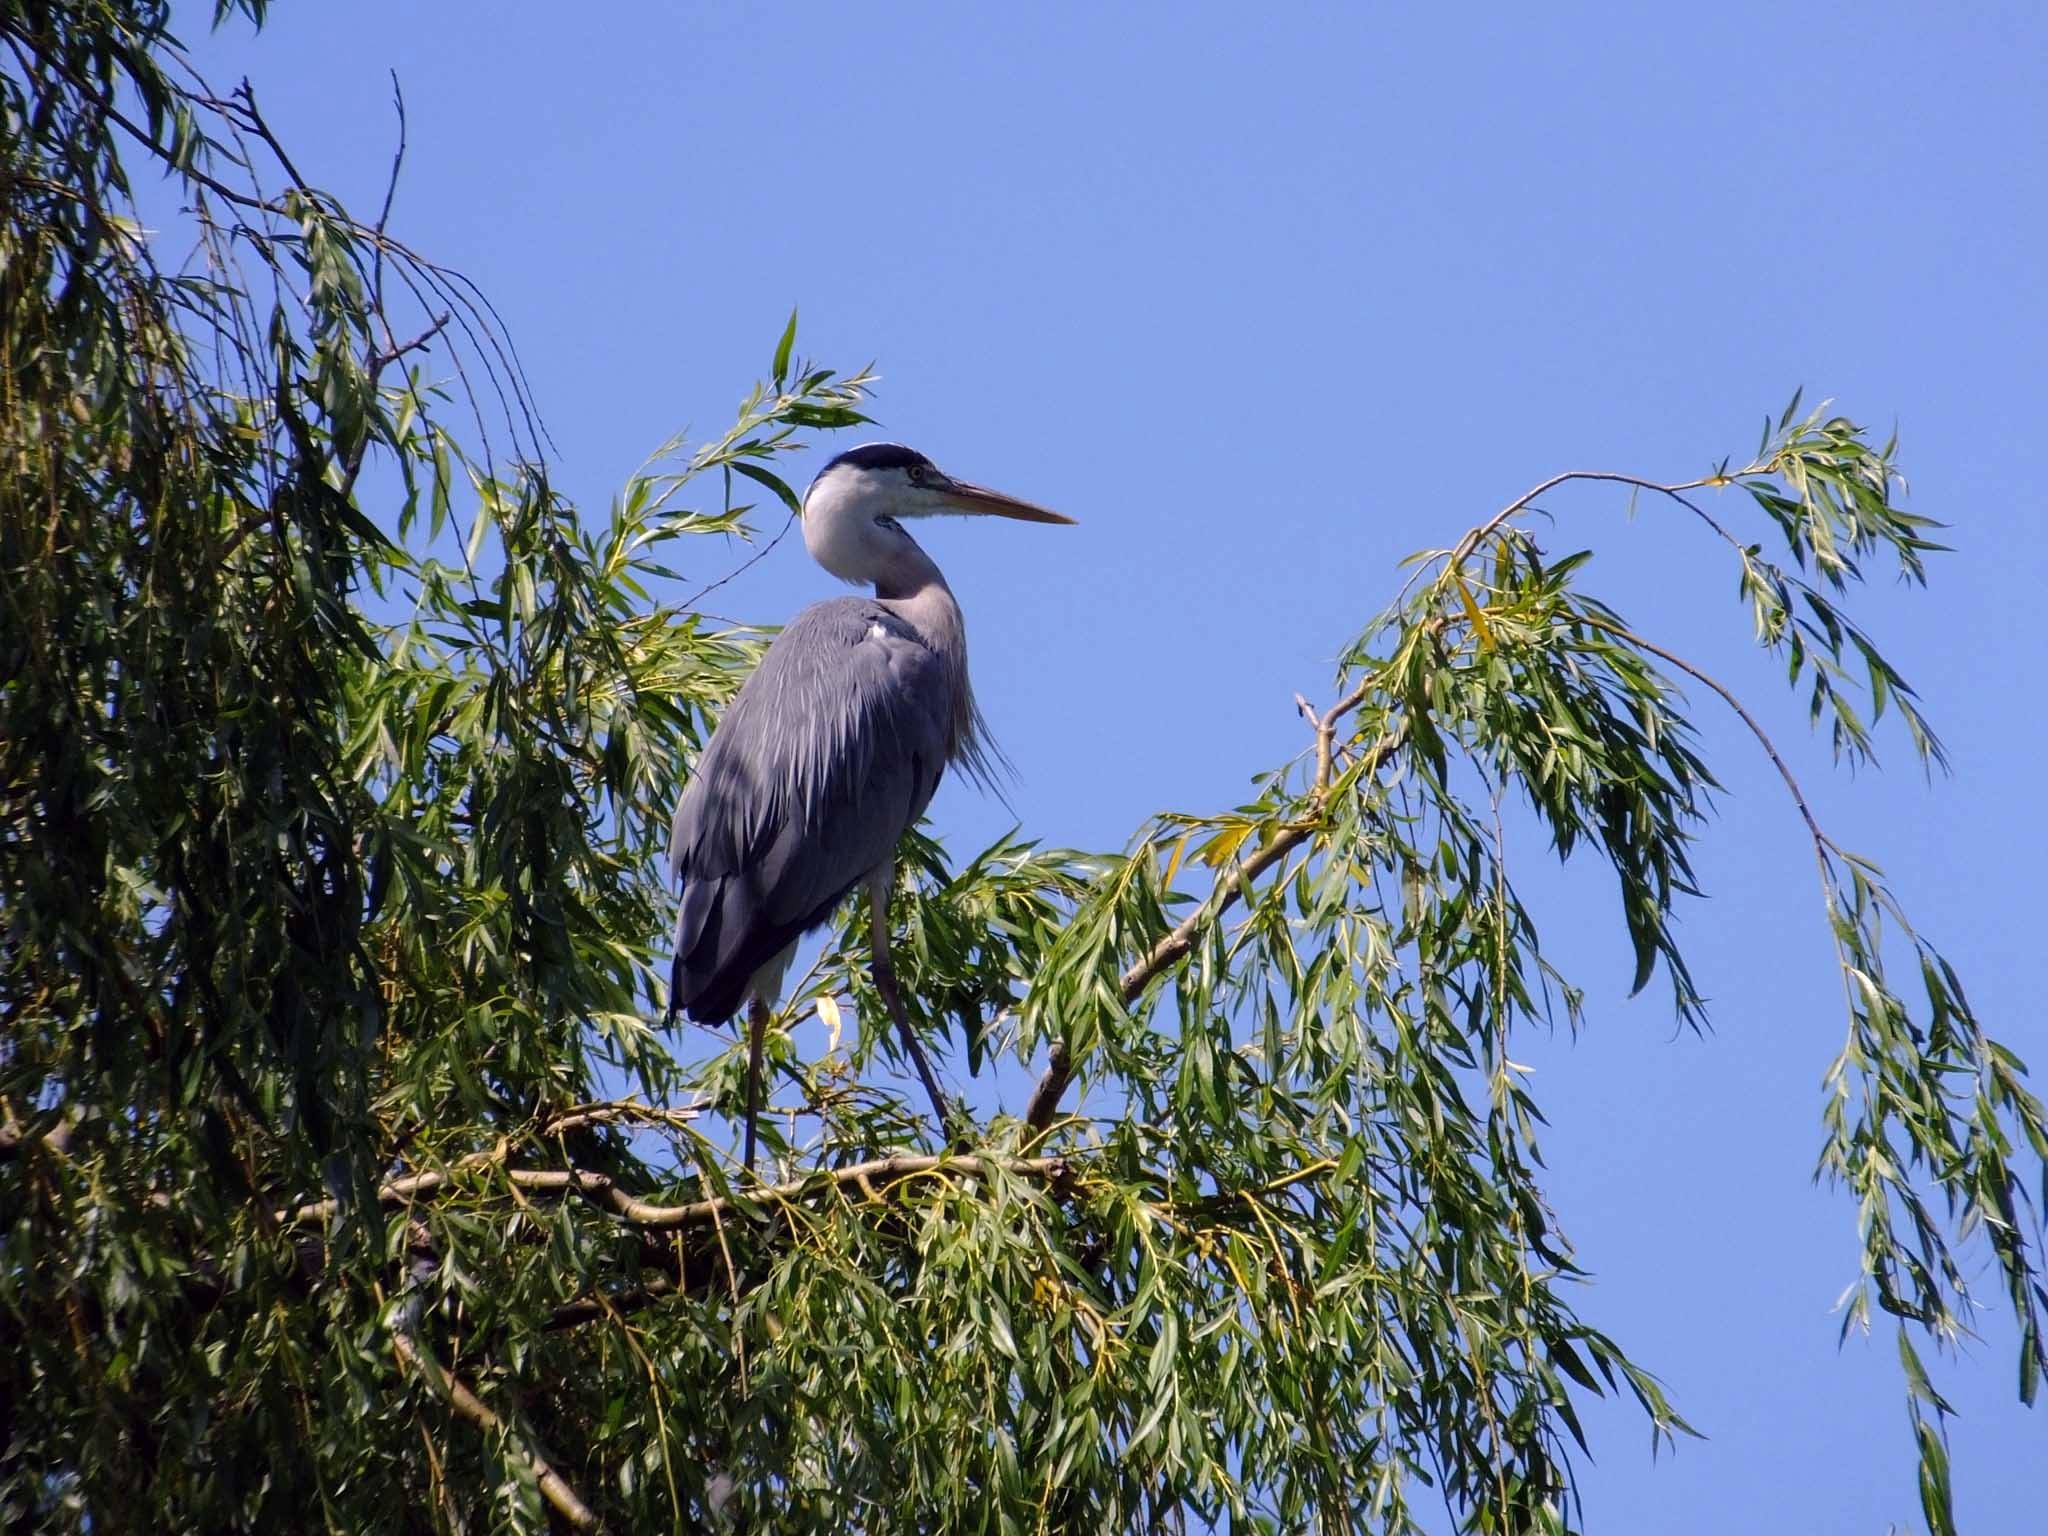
(832, 749)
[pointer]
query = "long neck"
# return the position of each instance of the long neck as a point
(916, 593)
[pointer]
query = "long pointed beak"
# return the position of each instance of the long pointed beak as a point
(981, 501)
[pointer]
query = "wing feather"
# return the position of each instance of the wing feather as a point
(831, 750)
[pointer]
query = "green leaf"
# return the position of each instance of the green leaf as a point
(773, 481)
(780, 368)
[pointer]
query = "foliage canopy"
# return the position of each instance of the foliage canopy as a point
(342, 1168)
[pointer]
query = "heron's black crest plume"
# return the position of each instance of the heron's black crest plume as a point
(878, 456)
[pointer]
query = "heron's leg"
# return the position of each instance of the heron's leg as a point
(879, 886)
(757, 1038)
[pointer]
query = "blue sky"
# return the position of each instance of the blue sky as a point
(1269, 297)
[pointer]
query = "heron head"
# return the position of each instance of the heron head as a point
(855, 510)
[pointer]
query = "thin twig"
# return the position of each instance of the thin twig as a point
(742, 568)
(732, 1281)
(1823, 845)
(379, 361)
(245, 103)
(1675, 490)
(390, 194)
(458, 294)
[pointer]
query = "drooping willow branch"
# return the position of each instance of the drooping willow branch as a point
(1044, 1105)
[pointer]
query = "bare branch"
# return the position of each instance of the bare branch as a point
(379, 361)
(390, 193)
(1472, 540)
(244, 105)
(741, 569)
(553, 1486)
(620, 1112)
(602, 1190)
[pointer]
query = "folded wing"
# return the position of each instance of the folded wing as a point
(831, 751)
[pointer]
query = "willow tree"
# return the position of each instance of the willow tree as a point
(347, 1179)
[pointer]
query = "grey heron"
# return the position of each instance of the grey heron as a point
(830, 752)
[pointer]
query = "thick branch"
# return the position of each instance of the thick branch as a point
(15, 1136)
(591, 1309)
(680, 1270)
(553, 1487)
(617, 1112)
(600, 1189)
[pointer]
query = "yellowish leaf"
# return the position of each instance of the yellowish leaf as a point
(1219, 850)
(1173, 863)
(1473, 612)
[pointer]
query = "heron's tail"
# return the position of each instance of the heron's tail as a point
(690, 922)
(708, 979)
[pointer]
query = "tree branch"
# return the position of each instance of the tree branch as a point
(681, 1271)
(602, 1190)
(243, 102)
(1823, 846)
(16, 1135)
(390, 194)
(617, 1112)
(1675, 490)
(553, 1486)
(1044, 1103)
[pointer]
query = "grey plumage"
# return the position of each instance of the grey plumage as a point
(833, 747)
(831, 750)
